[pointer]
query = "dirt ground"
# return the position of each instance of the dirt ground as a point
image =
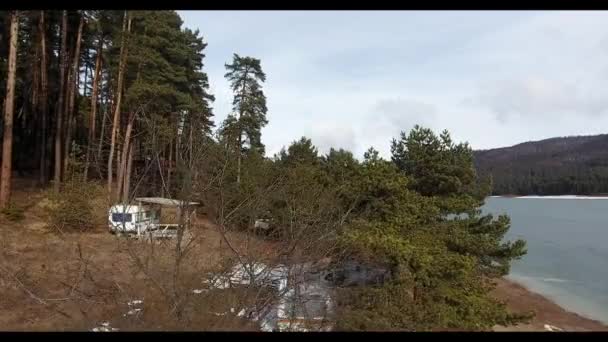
(51, 281)
(520, 299)
(78, 280)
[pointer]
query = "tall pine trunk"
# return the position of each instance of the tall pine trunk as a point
(72, 92)
(167, 185)
(240, 130)
(238, 162)
(102, 133)
(66, 116)
(92, 116)
(127, 179)
(59, 111)
(86, 73)
(7, 141)
(126, 26)
(177, 146)
(190, 141)
(43, 99)
(125, 155)
(35, 95)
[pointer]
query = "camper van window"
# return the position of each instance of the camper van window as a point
(120, 217)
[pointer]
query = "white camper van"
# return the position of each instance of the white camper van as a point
(132, 218)
(145, 216)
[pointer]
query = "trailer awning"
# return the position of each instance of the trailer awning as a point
(168, 202)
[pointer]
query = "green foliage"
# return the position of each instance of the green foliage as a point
(341, 171)
(419, 217)
(164, 66)
(416, 214)
(249, 104)
(433, 286)
(376, 190)
(340, 166)
(392, 307)
(166, 92)
(76, 162)
(437, 166)
(303, 208)
(299, 153)
(246, 201)
(444, 170)
(482, 237)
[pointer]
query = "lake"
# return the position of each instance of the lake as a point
(567, 242)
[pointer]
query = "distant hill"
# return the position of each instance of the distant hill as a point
(556, 166)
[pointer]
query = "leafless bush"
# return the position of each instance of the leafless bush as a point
(71, 209)
(174, 278)
(13, 213)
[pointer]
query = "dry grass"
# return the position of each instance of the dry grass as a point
(73, 281)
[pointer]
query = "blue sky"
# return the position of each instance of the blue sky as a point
(355, 79)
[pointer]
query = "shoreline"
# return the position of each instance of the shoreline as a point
(589, 197)
(549, 315)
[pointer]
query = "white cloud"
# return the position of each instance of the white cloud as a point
(355, 79)
(333, 134)
(537, 98)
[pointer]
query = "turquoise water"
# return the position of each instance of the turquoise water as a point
(567, 258)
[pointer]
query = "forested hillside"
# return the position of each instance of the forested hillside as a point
(556, 166)
(119, 101)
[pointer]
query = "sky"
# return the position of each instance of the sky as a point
(356, 79)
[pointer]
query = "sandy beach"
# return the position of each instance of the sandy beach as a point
(549, 316)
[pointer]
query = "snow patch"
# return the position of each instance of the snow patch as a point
(564, 197)
(555, 280)
(105, 327)
(132, 312)
(552, 328)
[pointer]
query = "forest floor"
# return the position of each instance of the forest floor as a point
(53, 281)
(80, 280)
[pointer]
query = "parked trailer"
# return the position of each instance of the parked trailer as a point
(143, 218)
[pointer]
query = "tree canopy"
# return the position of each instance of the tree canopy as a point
(128, 89)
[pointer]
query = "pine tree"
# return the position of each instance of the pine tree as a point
(43, 98)
(94, 100)
(299, 152)
(59, 130)
(73, 79)
(249, 106)
(126, 28)
(441, 265)
(7, 140)
(445, 171)
(437, 166)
